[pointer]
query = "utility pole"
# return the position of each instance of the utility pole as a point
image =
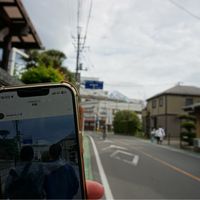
(78, 41)
(77, 53)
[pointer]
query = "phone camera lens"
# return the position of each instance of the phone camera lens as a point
(1, 115)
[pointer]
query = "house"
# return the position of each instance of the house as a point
(163, 109)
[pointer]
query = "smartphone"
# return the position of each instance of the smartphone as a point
(41, 116)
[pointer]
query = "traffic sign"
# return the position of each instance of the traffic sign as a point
(94, 84)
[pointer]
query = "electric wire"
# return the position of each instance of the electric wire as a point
(184, 9)
(87, 23)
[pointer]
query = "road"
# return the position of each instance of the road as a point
(138, 169)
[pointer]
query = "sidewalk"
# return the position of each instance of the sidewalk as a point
(175, 144)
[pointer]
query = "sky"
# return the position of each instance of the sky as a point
(37, 129)
(138, 47)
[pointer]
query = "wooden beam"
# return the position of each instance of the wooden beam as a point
(7, 46)
(3, 33)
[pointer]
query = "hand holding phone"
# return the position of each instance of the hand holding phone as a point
(43, 118)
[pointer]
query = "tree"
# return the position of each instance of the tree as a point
(126, 122)
(42, 74)
(188, 126)
(51, 59)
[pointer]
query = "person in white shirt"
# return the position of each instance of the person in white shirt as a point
(160, 134)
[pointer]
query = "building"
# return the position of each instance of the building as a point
(163, 109)
(100, 107)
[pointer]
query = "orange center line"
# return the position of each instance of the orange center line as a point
(172, 167)
(168, 165)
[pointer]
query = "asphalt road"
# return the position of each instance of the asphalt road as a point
(137, 169)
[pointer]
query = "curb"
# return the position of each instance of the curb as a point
(87, 158)
(172, 148)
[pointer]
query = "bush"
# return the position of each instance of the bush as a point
(187, 137)
(188, 125)
(42, 74)
(187, 117)
(126, 122)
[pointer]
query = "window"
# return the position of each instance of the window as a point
(161, 101)
(154, 103)
(188, 101)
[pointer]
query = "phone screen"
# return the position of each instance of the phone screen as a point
(41, 118)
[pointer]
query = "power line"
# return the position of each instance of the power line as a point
(80, 44)
(78, 15)
(87, 23)
(184, 9)
(87, 59)
(78, 41)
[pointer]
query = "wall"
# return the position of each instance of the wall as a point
(158, 109)
(167, 116)
(176, 103)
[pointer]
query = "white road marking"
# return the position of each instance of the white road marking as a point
(114, 147)
(108, 141)
(135, 160)
(116, 155)
(104, 180)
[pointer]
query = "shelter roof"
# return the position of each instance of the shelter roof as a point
(15, 20)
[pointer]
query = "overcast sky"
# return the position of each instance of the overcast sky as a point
(138, 47)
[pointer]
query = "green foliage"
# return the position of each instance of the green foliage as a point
(187, 117)
(126, 122)
(188, 125)
(68, 76)
(187, 137)
(33, 59)
(53, 57)
(49, 58)
(42, 74)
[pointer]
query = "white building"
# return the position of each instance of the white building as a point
(100, 107)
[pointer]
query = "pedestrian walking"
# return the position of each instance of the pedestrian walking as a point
(160, 134)
(104, 132)
(152, 136)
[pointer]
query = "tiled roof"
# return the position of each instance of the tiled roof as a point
(180, 90)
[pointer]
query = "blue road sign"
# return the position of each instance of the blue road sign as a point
(94, 84)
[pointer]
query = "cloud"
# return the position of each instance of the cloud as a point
(138, 46)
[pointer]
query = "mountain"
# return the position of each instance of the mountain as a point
(118, 96)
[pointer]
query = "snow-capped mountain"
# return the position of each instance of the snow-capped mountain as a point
(118, 96)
